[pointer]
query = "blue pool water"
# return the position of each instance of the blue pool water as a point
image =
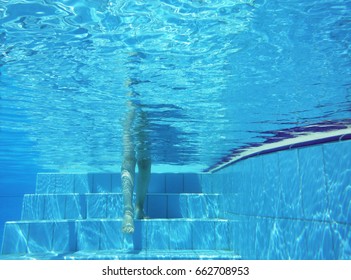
(245, 103)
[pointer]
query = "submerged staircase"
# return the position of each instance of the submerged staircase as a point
(78, 216)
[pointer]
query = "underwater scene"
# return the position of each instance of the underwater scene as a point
(175, 129)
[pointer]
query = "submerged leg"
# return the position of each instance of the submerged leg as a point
(128, 170)
(144, 167)
(127, 177)
(144, 163)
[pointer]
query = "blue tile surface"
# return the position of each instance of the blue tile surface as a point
(204, 234)
(83, 183)
(64, 236)
(202, 206)
(157, 206)
(337, 158)
(116, 183)
(102, 183)
(192, 183)
(313, 186)
(197, 206)
(15, 238)
(96, 206)
(46, 183)
(139, 238)
(207, 182)
(291, 197)
(114, 206)
(271, 191)
(40, 237)
(33, 207)
(223, 235)
(180, 235)
(257, 186)
(111, 236)
(245, 169)
(174, 183)
(88, 235)
(263, 230)
(157, 183)
(276, 246)
(55, 207)
(295, 237)
(173, 206)
(157, 235)
(342, 241)
(64, 183)
(75, 207)
(244, 236)
(183, 205)
(319, 238)
(229, 204)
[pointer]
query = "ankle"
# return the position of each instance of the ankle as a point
(129, 211)
(139, 213)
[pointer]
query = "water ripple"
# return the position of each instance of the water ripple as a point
(68, 68)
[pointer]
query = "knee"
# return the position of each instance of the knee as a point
(128, 164)
(144, 164)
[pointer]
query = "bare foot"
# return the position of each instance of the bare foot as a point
(128, 223)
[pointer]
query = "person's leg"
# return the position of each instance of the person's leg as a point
(127, 178)
(144, 163)
(128, 171)
(144, 169)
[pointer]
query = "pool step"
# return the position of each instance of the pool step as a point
(103, 205)
(78, 216)
(24, 237)
(154, 255)
(111, 183)
(128, 255)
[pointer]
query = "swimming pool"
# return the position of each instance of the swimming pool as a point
(222, 85)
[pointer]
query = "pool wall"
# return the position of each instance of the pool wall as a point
(294, 204)
(13, 186)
